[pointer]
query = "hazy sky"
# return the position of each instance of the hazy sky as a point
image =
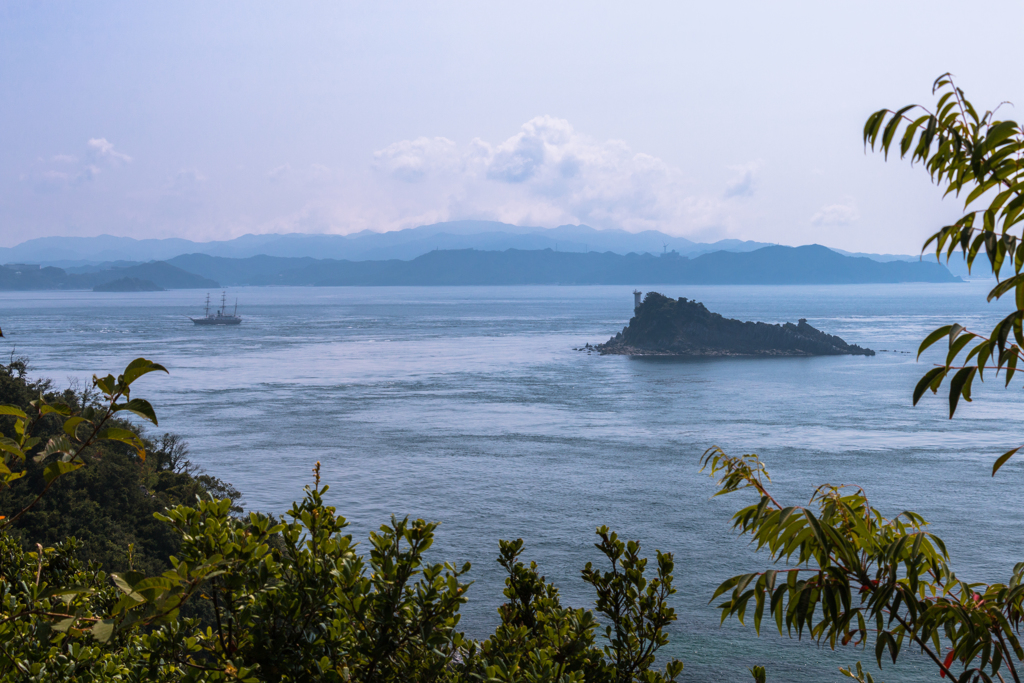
(708, 120)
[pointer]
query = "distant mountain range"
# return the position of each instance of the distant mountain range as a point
(71, 252)
(91, 254)
(770, 265)
(575, 254)
(812, 264)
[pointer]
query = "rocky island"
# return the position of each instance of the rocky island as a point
(677, 327)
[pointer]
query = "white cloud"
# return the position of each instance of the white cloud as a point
(102, 148)
(413, 160)
(835, 215)
(744, 181)
(550, 173)
(77, 172)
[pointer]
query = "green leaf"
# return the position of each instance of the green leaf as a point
(8, 476)
(56, 469)
(926, 382)
(816, 529)
(154, 587)
(59, 408)
(999, 132)
(1003, 458)
(959, 386)
(140, 407)
(124, 436)
(1005, 286)
(63, 625)
(121, 583)
(102, 631)
(12, 410)
(11, 446)
(956, 347)
(872, 126)
(139, 367)
(129, 578)
(1011, 364)
(71, 426)
(105, 384)
(890, 130)
(932, 338)
(58, 444)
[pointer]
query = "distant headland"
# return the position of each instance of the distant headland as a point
(678, 327)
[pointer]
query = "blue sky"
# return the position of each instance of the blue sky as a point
(710, 120)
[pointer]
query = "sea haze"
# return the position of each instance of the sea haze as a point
(470, 406)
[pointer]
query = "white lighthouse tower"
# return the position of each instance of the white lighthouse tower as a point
(636, 299)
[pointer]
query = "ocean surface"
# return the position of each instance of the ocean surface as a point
(470, 406)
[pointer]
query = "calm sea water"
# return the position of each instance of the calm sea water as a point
(469, 406)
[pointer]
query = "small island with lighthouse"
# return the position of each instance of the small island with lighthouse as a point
(662, 326)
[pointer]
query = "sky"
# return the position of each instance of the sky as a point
(703, 120)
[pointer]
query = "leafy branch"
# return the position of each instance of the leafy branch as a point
(859, 576)
(981, 157)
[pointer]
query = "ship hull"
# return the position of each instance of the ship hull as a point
(216, 321)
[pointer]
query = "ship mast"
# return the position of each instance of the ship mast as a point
(235, 314)
(223, 302)
(207, 304)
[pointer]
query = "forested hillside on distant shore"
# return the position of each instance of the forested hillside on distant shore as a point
(775, 265)
(771, 265)
(27, 277)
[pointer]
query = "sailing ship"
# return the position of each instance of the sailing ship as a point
(220, 317)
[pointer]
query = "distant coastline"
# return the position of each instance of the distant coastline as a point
(84, 255)
(128, 284)
(773, 265)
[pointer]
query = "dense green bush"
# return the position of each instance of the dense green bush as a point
(108, 506)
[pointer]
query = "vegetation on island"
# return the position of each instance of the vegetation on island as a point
(169, 581)
(677, 327)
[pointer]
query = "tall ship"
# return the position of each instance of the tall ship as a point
(220, 317)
